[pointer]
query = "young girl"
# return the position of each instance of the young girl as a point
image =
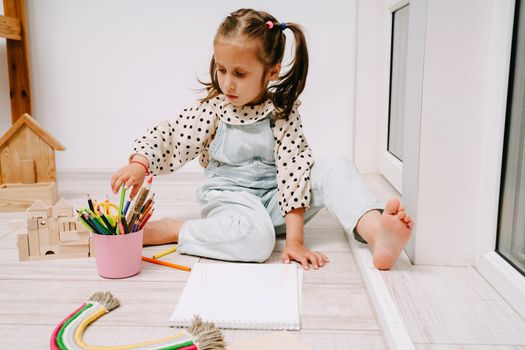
(261, 179)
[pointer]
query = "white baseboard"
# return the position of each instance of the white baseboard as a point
(394, 331)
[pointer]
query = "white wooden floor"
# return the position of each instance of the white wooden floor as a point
(35, 296)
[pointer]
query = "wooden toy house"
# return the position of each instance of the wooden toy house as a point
(53, 232)
(27, 164)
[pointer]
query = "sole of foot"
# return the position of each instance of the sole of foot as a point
(395, 229)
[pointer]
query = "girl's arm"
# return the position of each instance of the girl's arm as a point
(169, 145)
(295, 225)
(294, 248)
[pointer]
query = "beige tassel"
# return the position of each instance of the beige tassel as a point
(206, 335)
(106, 299)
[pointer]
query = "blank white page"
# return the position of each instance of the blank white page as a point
(244, 296)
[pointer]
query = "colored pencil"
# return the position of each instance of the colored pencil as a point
(145, 220)
(126, 207)
(95, 219)
(166, 252)
(124, 225)
(86, 222)
(135, 226)
(122, 198)
(100, 228)
(145, 217)
(146, 212)
(91, 213)
(139, 202)
(165, 263)
(90, 203)
(122, 230)
(148, 204)
(106, 221)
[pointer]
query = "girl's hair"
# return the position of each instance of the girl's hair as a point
(252, 24)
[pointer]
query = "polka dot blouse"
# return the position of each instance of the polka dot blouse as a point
(171, 144)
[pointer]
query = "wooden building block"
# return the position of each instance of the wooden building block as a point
(62, 208)
(54, 238)
(77, 242)
(38, 209)
(22, 242)
(19, 197)
(43, 235)
(50, 250)
(63, 225)
(34, 243)
(68, 249)
(69, 237)
(32, 224)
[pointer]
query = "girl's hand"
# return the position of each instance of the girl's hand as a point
(131, 175)
(294, 250)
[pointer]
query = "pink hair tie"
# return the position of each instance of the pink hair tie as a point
(269, 24)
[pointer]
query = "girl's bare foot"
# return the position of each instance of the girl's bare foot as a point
(162, 231)
(395, 227)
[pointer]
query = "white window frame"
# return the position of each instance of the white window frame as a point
(499, 273)
(389, 166)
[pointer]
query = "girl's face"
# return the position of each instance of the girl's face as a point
(240, 73)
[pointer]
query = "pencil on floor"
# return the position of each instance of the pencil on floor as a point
(165, 263)
(164, 253)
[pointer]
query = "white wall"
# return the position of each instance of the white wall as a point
(102, 71)
(454, 114)
(370, 53)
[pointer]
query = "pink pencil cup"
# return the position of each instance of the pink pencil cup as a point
(118, 256)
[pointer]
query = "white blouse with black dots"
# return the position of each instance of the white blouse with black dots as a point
(171, 144)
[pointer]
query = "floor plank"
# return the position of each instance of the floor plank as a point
(152, 302)
(464, 310)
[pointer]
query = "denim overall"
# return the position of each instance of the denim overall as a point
(240, 216)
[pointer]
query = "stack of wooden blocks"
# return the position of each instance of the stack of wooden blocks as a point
(53, 232)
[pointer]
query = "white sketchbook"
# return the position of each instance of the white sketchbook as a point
(242, 296)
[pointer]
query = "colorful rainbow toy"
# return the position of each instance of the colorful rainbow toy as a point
(69, 333)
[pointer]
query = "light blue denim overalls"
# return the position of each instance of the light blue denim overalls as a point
(241, 214)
